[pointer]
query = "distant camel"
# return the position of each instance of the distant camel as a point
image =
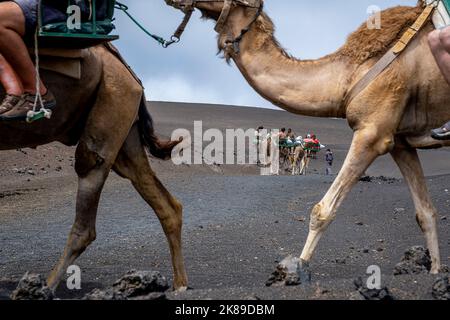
(300, 161)
(393, 114)
(105, 113)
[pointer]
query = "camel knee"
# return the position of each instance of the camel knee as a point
(80, 239)
(86, 159)
(321, 218)
(426, 220)
(172, 221)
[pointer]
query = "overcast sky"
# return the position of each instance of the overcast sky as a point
(192, 72)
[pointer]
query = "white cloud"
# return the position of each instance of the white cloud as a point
(179, 89)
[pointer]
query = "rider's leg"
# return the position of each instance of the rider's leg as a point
(12, 46)
(9, 79)
(439, 41)
(11, 84)
(15, 23)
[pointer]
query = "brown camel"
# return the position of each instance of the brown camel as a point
(105, 113)
(393, 114)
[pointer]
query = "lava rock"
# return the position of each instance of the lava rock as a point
(441, 288)
(372, 294)
(366, 179)
(287, 273)
(32, 287)
(134, 285)
(417, 260)
(380, 179)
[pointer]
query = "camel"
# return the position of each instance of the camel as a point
(300, 161)
(392, 115)
(105, 114)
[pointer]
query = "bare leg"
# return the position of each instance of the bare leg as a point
(305, 164)
(132, 163)
(12, 47)
(9, 79)
(362, 153)
(409, 164)
(439, 41)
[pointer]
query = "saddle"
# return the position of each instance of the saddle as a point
(68, 61)
(63, 61)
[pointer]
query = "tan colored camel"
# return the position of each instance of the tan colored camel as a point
(105, 113)
(394, 114)
(300, 161)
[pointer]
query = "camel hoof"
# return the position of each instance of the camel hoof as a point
(304, 272)
(181, 289)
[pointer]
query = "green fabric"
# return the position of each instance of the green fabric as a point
(111, 5)
(447, 5)
(103, 28)
(290, 145)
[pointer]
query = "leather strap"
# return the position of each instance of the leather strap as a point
(180, 30)
(223, 16)
(390, 56)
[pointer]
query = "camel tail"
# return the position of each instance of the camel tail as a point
(157, 148)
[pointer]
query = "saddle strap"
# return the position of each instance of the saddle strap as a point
(223, 16)
(390, 56)
(117, 54)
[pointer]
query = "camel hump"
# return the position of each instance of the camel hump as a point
(366, 43)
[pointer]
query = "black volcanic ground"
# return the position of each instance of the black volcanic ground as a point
(237, 223)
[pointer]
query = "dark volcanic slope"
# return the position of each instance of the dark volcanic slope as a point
(55, 160)
(334, 133)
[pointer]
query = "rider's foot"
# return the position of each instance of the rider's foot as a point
(8, 103)
(442, 133)
(26, 104)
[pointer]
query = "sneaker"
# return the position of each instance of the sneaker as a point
(26, 104)
(442, 133)
(8, 103)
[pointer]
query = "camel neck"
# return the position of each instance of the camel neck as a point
(311, 88)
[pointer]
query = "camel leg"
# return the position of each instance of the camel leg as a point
(133, 164)
(105, 131)
(295, 162)
(365, 148)
(409, 163)
(83, 230)
(304, 165)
